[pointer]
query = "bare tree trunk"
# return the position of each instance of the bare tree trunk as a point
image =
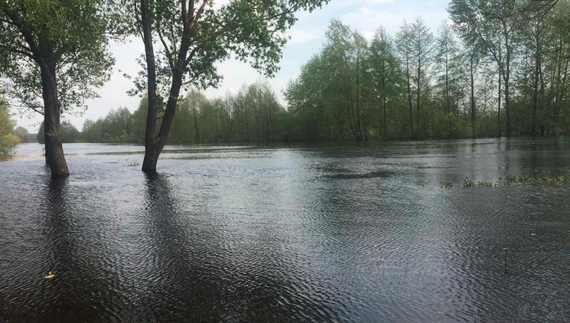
(155, 144)
(55, 158)
(151, 154)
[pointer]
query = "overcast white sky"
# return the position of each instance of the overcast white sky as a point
(307, 38)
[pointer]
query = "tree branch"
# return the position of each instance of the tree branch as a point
(166, 48)
(197, 18)
(18, 51)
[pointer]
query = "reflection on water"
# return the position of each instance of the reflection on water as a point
(361, 232)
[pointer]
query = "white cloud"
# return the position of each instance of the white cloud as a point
(299, 36)
(377, 1)
(368, 34)
(392, 20)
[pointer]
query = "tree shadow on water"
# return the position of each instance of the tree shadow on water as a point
(70, 249)
(180, 287)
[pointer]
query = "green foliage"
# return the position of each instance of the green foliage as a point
(252, 31)
(117, 126)
(69, 134)
(253, 114)
(7, 140)
(23, 134)
(40, 136)
(68, 34)
(92, 131)
(487, 74)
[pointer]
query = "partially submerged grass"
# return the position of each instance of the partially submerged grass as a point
(508, 181)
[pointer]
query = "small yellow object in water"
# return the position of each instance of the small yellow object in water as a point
(50, 275)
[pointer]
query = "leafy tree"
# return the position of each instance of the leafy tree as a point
(69, 134)
(387, 80)
(92, 131)
(22, 133)
(450, 75)
(138, 121)
(405, 51)
(194, 36)
(53, 52)
(422, 57)
(117, 126)
(492, 25)
(7, 140)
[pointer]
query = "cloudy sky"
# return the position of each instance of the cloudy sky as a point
(307, 38)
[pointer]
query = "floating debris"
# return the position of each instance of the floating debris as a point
(50, 275)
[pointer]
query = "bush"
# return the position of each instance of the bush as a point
(7, 144)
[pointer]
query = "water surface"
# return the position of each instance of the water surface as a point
(288, 233)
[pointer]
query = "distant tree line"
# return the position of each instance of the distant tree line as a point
(500, 69)
(253, 114)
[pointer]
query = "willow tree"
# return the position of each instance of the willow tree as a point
(53, 53)
(191, 36)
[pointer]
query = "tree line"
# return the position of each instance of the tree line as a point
(499, 69)
(414, 85)
(252, 115)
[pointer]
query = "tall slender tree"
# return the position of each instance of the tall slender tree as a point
(192, 36)
(386, 77)
(405, 50)
(53, 54)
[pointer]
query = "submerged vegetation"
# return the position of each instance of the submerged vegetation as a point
(508, 181)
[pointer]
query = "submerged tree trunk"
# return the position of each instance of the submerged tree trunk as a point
(55, 158)
(150, 144)
(153, 143)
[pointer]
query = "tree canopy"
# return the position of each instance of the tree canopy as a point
(53, 54)
(192, 36)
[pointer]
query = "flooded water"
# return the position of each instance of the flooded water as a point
(323, 233)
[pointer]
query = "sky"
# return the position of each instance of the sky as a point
(306, 39)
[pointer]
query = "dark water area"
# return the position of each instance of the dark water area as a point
(299, 233)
